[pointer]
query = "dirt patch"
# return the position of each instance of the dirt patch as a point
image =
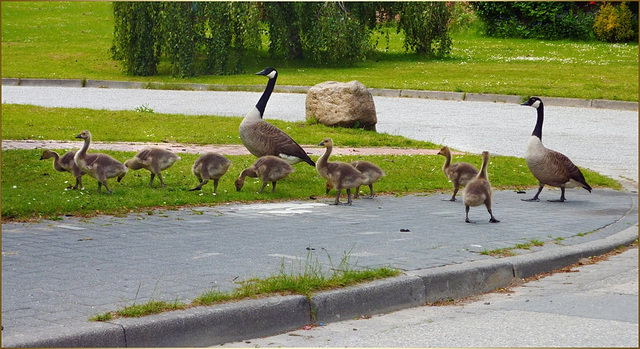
(225, 149)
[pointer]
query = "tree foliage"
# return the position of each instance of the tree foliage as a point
(425, 27)
(136, 36)
(214, 37)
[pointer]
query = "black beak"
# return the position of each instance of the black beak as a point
(264, 71)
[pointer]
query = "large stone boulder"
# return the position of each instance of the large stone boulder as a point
(349, 104)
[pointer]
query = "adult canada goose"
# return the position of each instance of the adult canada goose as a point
(208, 166)
(339, 174)
(65, 163)
(478, 191)
(459, 173)
(153, 159)
(262, 138)
(97, 165)
(548, 166)
(269, 169)
(371, 171)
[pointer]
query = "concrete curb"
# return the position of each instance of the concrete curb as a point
(441, 95)
(214, 325)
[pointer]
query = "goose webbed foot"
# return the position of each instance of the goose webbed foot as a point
(535, 197)
(493, 220)
(468, 221)
(559, 200)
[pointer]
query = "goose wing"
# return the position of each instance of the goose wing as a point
(566, 170)
(574, 172)
(67, 162)
(99, 159)
(264, 138)
(342, 175)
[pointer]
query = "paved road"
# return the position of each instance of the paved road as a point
(603, 140)
(593, 306)
(56, 274)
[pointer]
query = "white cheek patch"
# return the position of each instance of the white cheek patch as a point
(272, 74)
(536, 104)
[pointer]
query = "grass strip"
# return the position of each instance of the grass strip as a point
(302, 279)
(32, 189)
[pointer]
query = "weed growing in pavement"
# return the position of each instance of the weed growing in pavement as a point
(303, 279)
(508, 251)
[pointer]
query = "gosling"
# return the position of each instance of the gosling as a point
(339, 174)
(97, 165)
(65, 163)
(209, 166)
(478, 191)
(268, 168)
(371, 171)
(459, 173)
(153, 159)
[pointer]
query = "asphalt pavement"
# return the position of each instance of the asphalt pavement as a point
(56, 274)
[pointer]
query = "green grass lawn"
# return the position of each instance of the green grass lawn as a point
(32, 122)
(72, 40)
(32, 189)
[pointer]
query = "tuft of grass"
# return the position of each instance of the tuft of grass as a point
(102, 316)
(499, 252)
(148, 308)
(303, 279)
(508, 251)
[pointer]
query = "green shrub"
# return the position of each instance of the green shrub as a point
(546, 20)
(463, 17)
(615, 23)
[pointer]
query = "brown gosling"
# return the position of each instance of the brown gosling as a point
(371, 171)
(65, 163)
(478, 191)
(341, 175)
(98, 165)
(269, 169)
(549, 166)
(153, 159)
(208, 166)
(459, 173)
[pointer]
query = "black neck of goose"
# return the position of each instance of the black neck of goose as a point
(262, 103)
(537, 131)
